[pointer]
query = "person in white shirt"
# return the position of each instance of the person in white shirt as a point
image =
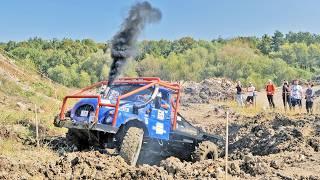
(251, 92)
(296, 94)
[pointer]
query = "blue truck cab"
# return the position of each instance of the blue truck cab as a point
(154, 113)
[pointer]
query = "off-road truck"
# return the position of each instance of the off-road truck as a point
(131, 114)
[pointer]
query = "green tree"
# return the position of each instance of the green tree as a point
(277, 41)
(314, 56)
(60, 74)
(265, 44)
(84, 79)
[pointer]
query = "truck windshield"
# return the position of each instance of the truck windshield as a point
(118, 90)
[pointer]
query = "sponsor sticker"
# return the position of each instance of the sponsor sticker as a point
(146, 119)
(159, 128)
(125, 109)
(160, 115)
(84, 113)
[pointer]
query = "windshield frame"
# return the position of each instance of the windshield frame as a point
(131, 87)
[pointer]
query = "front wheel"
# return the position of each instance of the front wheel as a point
(77, 139)
(131, 145)
(205, 150)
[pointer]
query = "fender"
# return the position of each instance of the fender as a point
(91, 102)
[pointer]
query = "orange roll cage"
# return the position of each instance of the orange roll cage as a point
(147, 81)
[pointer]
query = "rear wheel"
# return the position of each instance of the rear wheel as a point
(131, 145)
(205, 150)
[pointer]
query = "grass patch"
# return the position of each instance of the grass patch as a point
(8, 147)
(11, 116)
(9, 87)
(18, 152)
(256, 109)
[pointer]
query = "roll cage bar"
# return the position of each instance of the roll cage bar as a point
(147, 82)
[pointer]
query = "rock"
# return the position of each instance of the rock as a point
(313, 177)
(40, 110)
(219, 173)
(248, 158)
(254, 166)
(282, 176)
(315, 144)
(234, 169)
(276, 164)
(172, 165)
(301, 158)
(21, 106)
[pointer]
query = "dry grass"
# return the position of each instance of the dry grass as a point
(259, 108)
(16, 151)
(20, 83)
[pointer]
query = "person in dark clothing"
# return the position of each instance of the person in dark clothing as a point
(286, 95)
(239, 97)
(309, 98)
(270, 89)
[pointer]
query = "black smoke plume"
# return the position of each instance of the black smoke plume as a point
(123, 43)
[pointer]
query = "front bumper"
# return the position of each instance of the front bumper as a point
(68, 123)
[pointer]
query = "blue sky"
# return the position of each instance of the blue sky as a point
(200, 19)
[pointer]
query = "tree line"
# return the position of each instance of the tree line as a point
(78, 63)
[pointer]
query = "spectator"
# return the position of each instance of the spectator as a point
(251, 91)
(296, 94)
(239, 97)
(286, 95)
(309, 98)
(270, 89)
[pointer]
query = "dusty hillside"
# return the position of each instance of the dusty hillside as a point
(21, 89)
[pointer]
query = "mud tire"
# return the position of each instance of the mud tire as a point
(131, 145)
(205, 150)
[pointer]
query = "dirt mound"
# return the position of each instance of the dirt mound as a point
(94, 165)
(264, 137)
(10, 169)
(206, 90)
(264, 146)
(6, 132)
(207, 169)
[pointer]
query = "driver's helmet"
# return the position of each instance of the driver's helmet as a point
(103, 89)
(114, 95)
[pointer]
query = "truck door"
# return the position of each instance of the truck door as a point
(160, 115)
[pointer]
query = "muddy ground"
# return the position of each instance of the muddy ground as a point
(266, 146)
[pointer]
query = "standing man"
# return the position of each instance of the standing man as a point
(309, 98)
(251, 91)
(270, 89)
(286, 95)
(239, 94)
(296, 94)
